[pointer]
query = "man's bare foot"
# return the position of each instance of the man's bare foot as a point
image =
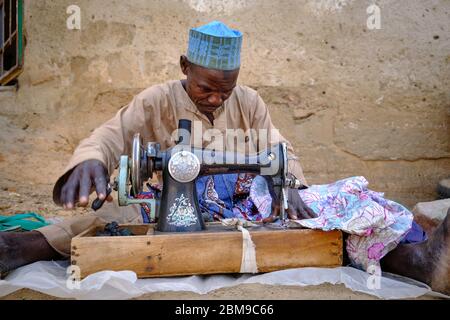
(427, 262)
(21, 248)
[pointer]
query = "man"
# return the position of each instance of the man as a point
(209, 94)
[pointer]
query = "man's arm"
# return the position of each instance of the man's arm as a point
(96, 157)
(296, 207)
(261, 120)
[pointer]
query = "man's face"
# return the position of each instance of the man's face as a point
(208, 88)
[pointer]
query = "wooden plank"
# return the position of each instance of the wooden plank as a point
(279, 250)
(178, 254)
(10, 75)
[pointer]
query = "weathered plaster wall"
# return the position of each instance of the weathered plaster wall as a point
(353, 101)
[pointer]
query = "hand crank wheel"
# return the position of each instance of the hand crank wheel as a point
(135, 168)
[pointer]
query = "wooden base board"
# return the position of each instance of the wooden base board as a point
(213, 251)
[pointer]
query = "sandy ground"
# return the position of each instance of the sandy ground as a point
(26, 182)
(247, 291)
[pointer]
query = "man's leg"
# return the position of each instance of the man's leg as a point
(427, 261)
(21, 248)
(53, 242)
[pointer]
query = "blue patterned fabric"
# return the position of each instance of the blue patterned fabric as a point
(415, 235)
(224, 196)
(215, 46)
(215, 195)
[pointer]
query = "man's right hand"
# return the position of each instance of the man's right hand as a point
(86, 177)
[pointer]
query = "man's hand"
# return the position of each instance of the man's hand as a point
(85, 177)
(297, 209)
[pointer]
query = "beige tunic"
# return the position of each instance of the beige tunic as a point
(154, 113)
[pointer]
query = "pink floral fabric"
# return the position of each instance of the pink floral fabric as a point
(376, 225)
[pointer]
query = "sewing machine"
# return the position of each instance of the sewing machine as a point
(181, 165)
(155, 250)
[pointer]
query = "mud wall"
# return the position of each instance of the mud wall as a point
(353, 101)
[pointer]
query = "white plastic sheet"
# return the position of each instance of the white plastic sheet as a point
(51, 278)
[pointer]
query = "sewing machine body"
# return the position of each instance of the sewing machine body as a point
(181, 165)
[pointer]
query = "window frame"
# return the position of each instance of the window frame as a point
(16, 69)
